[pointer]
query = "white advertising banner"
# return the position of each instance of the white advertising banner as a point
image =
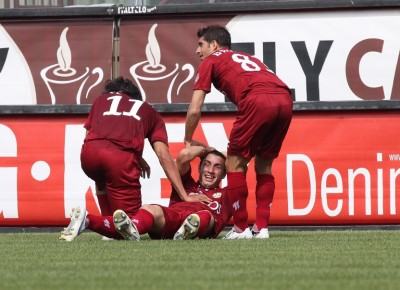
(327, 56)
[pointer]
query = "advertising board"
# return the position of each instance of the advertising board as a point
(334, 168)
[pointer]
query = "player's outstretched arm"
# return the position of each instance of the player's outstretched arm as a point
(193, 115)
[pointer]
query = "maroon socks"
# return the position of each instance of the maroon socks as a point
(264, 194)
(237, 193)
(103, 225)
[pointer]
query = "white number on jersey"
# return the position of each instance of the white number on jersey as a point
(113, 111)
(245, 62)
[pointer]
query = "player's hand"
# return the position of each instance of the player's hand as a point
(187, 143)
(144, 168)
(196, 197)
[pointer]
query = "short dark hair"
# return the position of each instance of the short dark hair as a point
(123, 85)
(215, 32)
(214, 152)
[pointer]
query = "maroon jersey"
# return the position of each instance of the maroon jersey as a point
(236, 74)
(218, 206)
(124, 121)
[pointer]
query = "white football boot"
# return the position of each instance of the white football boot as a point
(262, 234)
(189, 228)
(234, 235)
(124, 226)
(76, 225)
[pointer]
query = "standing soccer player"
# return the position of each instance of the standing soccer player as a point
(264, 114)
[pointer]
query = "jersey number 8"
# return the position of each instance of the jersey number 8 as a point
(245, 62)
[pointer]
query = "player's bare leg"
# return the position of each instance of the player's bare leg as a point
(263, 166)
(265, 189)
(237, 193)
(158, 222)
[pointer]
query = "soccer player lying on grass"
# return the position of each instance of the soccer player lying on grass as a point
(181, 220)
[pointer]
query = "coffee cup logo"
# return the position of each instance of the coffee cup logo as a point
(152, 72)
(62, 80)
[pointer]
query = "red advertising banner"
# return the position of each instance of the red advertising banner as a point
(334, 168)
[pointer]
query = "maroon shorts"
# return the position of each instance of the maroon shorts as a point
(175, 216)
(261, 125)
(115, 170)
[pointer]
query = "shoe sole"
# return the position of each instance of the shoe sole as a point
(69, 236)
(189, 228)
(124, 226)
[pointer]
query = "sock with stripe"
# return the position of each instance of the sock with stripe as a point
(103, 225)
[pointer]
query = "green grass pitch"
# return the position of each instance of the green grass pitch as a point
(320, 260)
